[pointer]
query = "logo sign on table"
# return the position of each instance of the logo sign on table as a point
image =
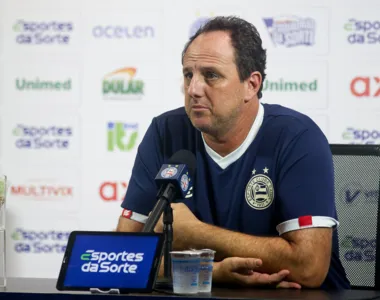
(110, 260)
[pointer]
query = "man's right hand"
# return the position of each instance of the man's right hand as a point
(241, 271)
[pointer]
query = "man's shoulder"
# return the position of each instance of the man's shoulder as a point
(174, 123)
(174, 113)
(174, 116)
(176, 131)
(286, 118)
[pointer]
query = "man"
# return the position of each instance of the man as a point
(264, 188)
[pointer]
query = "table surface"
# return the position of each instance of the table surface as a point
(38, 288)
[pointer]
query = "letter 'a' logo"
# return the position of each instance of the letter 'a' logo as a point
(365, 86)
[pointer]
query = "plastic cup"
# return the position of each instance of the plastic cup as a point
(205, 273)
(185, 271)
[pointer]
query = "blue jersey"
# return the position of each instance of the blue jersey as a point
(282, 180)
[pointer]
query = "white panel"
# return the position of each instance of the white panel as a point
(291, 29)
(129, 31)
(103, 192)
(42, 30)
(37, 83)
(291, 84)
(40, 138)
(357, 28)
(43, 191)
(121, 82)
(356, 128)
(357, 87)
(35, 246)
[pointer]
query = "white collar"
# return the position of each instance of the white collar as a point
(225, 161)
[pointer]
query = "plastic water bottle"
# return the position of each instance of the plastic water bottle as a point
(3, 191)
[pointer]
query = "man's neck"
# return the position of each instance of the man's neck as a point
(235, 136)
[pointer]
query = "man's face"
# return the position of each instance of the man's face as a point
(214, 95)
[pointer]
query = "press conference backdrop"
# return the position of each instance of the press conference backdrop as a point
(81, 80)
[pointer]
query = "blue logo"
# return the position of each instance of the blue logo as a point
(123, 32)
(185, 182)
(41, 137)
(361, 136)
(30, 241)
(362, 31)
(358, 248)
(198, 23)
(355, 194)
(169, 172)
(39, 33)
(291, 31)
(105, 262)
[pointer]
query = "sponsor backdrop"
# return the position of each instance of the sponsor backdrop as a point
(80, 81)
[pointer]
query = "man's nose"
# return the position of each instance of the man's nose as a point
(195, 89)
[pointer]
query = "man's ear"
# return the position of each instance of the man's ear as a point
(252, 85)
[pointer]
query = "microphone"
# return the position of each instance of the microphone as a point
(174, 181)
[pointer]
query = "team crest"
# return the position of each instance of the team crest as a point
(259, 192)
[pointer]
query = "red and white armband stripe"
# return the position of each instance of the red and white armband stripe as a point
(128, 214)
(306, 222)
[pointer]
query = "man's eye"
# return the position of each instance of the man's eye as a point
(188, 75)
(211, 75)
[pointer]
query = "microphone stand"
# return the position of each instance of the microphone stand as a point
(163, 206)
(168, 233)
(167, 282)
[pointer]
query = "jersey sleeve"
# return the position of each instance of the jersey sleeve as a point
(306, 196)
(140, 197)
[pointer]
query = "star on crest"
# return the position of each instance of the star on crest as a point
(254, 172)
(265, 170)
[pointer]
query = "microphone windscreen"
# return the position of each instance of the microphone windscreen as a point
(185, 157)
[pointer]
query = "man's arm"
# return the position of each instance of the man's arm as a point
(128, 225)
(305, 253)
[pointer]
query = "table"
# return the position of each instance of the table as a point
(38, 288)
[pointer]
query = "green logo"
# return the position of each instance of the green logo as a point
(18, 131)
(85, 256)
(122, 84)
(290, 86)
(36, 84)
(122, 136)
(18, 26)
(16, 235)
